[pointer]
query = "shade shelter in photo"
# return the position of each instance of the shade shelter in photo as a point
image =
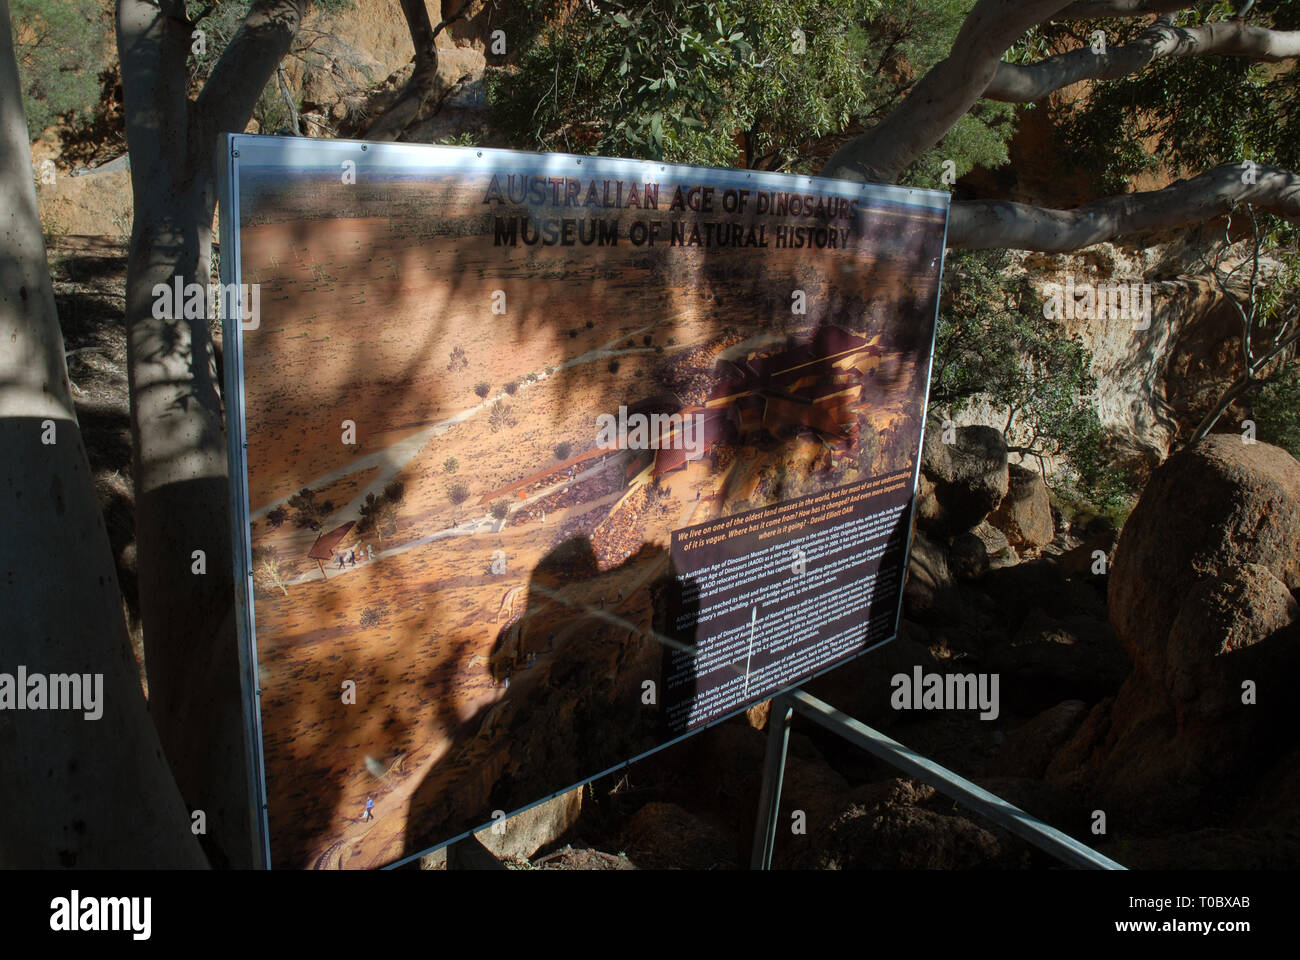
(325, 545)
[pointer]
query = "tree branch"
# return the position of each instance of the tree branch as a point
(425, 84)
(1014, 83)
(1092, 9)
(981, 224)
(944, 95)
(288, 102)
(245, 67)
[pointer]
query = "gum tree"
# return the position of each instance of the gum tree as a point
(173, 133)
(80, 792)
(921, 97)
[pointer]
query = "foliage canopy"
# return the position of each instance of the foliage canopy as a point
(758, 83)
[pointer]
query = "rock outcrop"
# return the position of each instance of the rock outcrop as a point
(964, 481)
(525, 833)
(1201, 595)
(1206, 514)
(1025, 513)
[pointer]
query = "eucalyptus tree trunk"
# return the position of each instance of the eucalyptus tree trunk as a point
(181, 487)
(84, 787)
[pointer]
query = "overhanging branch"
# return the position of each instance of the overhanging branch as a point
(980, 224)
(1014, 83)
(944, 95)
(246, 66)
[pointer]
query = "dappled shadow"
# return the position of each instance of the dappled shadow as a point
(376, 314)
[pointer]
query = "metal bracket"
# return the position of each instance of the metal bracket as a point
(1007, 815)
(769, 798)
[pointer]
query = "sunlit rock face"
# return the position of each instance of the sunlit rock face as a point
(1157, 375)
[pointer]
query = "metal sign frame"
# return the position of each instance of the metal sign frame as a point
(446, 159)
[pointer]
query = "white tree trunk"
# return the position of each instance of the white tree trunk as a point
(1016, 83)
(181, 489)
(75, 791)
(944, 95)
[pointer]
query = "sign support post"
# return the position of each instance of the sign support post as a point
(1006, 815)
(769, 799)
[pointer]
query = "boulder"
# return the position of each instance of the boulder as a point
(996, 545)
(1218, 618)
(929, 515)
(968, 558)
(966, 479)
(757, 715)
(525, 833)
(928, 576)
(1025, 513)
(1202, 597)
(1029, 749)
(1207, 511)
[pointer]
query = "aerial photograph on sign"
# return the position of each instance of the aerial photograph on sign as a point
(551, 461)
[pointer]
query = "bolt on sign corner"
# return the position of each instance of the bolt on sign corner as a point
(542, 462)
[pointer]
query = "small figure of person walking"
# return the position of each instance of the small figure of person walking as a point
(368, 813)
